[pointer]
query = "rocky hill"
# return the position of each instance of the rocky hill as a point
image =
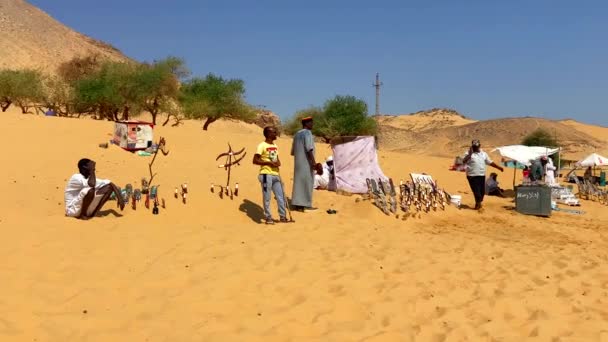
(425, 120)
(30, 38)
(448, 135)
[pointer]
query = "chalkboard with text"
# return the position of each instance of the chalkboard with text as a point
(533, 200)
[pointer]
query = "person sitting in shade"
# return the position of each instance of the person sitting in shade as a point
(492, 188)
(324, 178)
(537, 169)
(588, 176)
(85, 194)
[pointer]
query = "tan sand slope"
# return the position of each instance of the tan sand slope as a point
(598, 132)
(425, 120)
(455, 139)
(206, 271)
(30, 38)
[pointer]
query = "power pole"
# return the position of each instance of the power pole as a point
(377, 85)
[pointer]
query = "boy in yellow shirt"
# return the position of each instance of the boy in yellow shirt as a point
(267, 156)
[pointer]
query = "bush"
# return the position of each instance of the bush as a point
(541, 137)
(340, 116)
(295, 124)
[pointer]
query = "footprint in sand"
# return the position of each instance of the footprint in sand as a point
(563, 293)
(386, 321)
(538, 281)
(560, 264)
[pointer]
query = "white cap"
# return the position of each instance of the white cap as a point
(330, 158)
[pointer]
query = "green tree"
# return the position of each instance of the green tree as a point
(214, 97)
(108, 91)
(156, 86)
(340, 116)
(344, 116)
(541, 137)
(295, 124)
(21, 87)
(58, 95)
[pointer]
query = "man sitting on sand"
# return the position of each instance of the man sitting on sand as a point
(85, 194)
(492, 188)
(323, 180)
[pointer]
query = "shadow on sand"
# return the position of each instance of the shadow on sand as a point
(107, 212)
(253, 210)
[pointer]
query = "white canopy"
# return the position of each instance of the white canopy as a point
(593, 159)
(524, 154)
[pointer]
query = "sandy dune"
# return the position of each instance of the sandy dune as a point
(30, 38)
(206, 271)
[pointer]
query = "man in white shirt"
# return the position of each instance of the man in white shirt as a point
(85, 194)
(476, 161)
(322, 181)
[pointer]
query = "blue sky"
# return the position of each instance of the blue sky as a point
(486, 59)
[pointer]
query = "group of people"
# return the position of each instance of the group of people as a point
(308, 174)
(541, 169)
(85, 194)
(475, 163)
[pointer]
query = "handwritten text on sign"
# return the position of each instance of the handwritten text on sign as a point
(528, 195)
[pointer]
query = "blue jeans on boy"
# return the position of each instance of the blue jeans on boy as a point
(270, 184)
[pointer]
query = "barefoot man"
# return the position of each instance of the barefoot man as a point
(85, 194)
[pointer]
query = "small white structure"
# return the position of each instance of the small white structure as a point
(133, 135)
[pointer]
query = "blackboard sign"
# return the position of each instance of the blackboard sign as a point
(533, 200)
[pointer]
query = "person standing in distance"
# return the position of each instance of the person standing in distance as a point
(305, 167)
(476, 161)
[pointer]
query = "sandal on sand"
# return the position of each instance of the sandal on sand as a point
(283, 220)
(269, 221)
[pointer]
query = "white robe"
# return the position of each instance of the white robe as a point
(75, 191)
(550, 173)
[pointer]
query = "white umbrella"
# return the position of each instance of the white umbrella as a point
(593, 159)
(523, 154)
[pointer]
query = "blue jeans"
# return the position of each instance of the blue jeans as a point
(272, 183)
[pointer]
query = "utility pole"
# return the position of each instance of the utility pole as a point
(377, 85)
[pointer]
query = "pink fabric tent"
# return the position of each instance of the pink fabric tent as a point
(355, 159)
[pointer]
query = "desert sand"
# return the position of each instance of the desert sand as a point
(208, 271)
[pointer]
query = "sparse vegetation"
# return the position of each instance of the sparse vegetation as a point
(21, 87)
(119, 90)
(340, 116)
(214, 97)
(541, 137)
